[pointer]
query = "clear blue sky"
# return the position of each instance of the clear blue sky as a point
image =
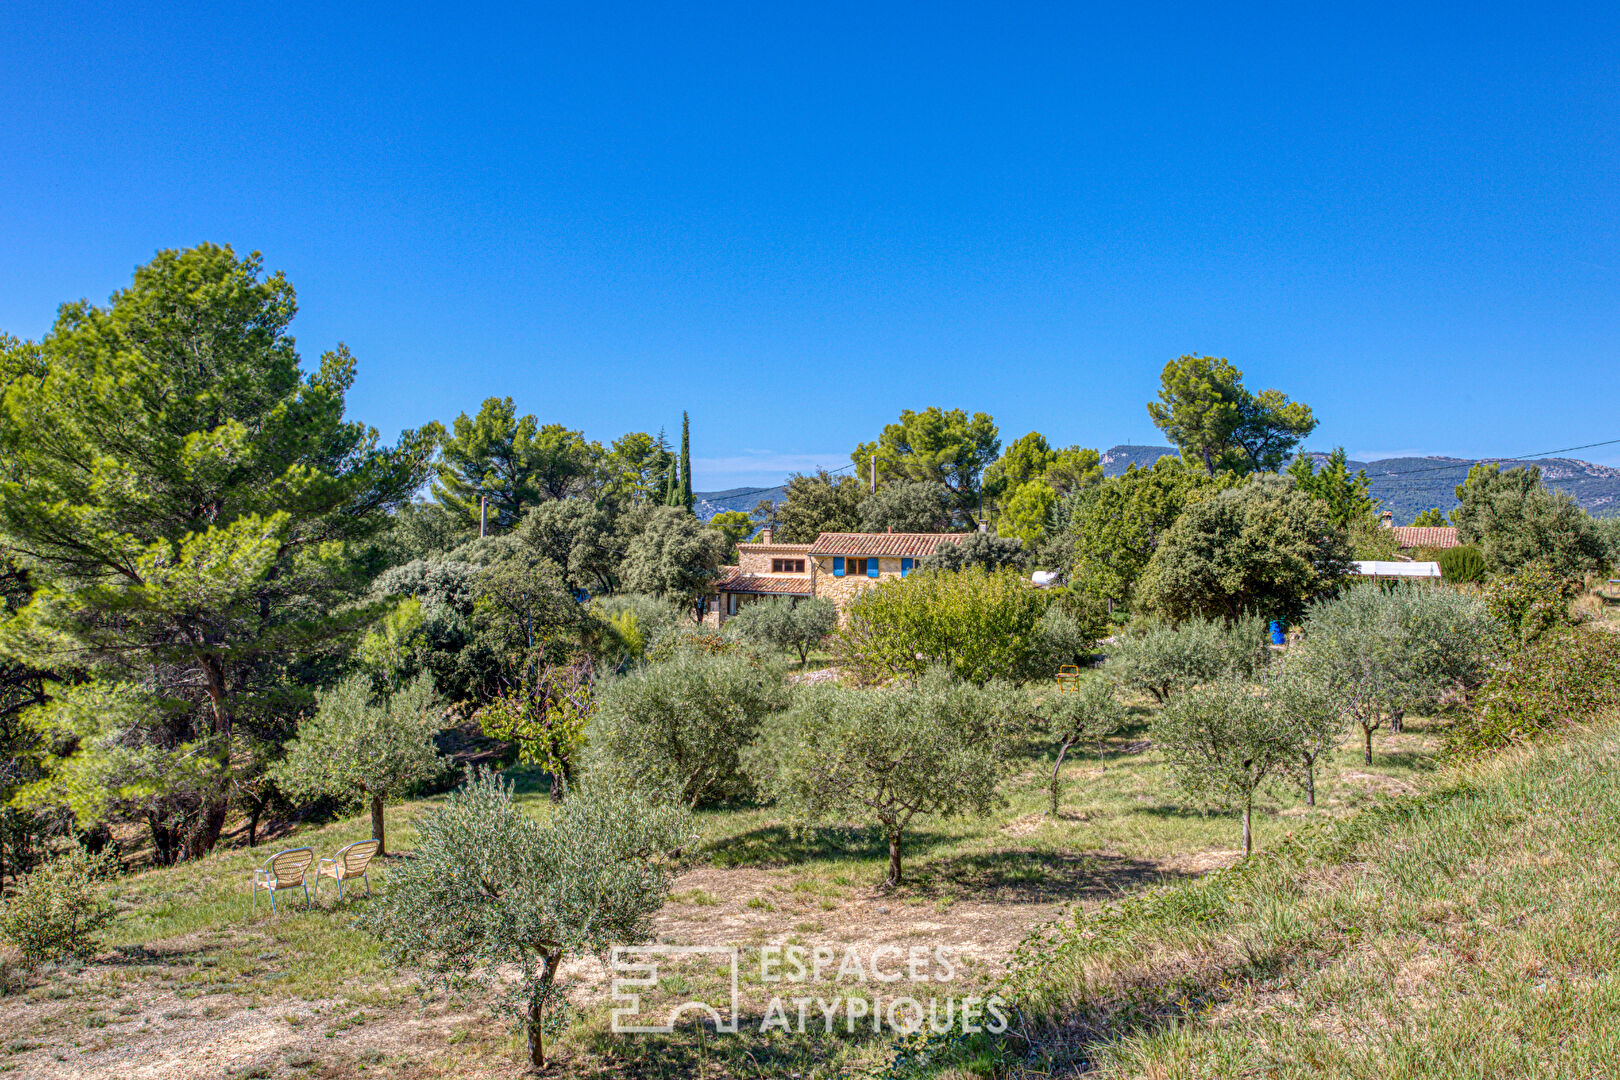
(795, 221)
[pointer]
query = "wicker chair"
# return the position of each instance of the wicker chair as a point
(284, 870)
(348, 863)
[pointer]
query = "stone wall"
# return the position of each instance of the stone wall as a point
(843, 590)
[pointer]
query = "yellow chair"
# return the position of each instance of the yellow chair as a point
(1068, 677)
(348, 863)
(284, 870)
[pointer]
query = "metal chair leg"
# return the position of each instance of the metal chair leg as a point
(272, 901)
(306, 896)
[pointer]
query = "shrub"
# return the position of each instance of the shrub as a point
(1164, 660)
(493, 894)
(1530, 601)
(58, 911)
(976, 549)
(1569, 675)
(1223, 742)
(677, 726)
(638, 622)
(784, 625)
(980, 624)
(936, 748)
(1462, 565)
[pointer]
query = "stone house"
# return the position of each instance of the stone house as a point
(837, 567)
(764, 569)
(1408, 537)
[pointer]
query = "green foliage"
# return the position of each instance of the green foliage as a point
(59, 910)
(632, 471)
(978, 624)
(1462, 565)
(976, 549)
(1370, 540)
(686, 499)
(1345, 495)
(1075, 469)
(1375, 653)
(579, 537)
(735, 525)
(936, 748)
(908, 506)
(1432, 518)
(191, 504)
(1070, 628)
(1204, 409)
(1028, 511)
(1167, 660)
(511, 461)
(1024, 460)
(640, 621)
(1516, 521)
(1565, 677)
(524, 613)
(1223, 742)
(818, 503)
(387, 654)
(496, 901)
(674, 557)
(1530, 601)
(676, 727)
(546, 715)
(784, 625)
(1117, 525)
(1260, 548)
(358, 749)
(1090, 713)
(946, 447)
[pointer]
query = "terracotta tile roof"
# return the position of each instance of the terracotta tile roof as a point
(732, 579)
(1434, 536)
(909, 545)
(757, 548)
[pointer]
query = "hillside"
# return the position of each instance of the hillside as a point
(1463, 932)
(710, 503)
(1407, 486)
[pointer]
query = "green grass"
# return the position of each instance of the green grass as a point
(193, 930)
(1466, 932)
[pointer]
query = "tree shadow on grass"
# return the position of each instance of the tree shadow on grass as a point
(1416, 760)
(778, 845)
(1037, 877)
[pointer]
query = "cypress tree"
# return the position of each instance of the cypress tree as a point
(686, 463)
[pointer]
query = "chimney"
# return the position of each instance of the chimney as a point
(1387, 519)
(984, 526)
(765, 535)
(891, 528)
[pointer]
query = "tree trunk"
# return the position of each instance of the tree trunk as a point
(377, 822)
(1248, 837)
(894, 858)
(253, 822)
(1310, 781)
(1062, 750)
(1367, 753)
(534, 1022)
(1397, 721)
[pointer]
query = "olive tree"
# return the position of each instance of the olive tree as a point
(1163, 660)
(1091, 713)
(497, 900)
(362, 750)
(677, 726)
(781, 624)
(1306, 700)
(1223, 742)
(937, 748)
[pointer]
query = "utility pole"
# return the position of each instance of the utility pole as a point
(483, 515)
(874, 472)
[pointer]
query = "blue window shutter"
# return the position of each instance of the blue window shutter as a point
(838, 566)
(905, 567)
(872, 567)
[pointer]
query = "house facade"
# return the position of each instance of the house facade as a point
(837, 567)
(764, 569)
(844, 565)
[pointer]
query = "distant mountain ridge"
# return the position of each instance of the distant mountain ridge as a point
(1407, 486)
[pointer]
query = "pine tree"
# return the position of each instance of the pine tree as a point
(686, 462)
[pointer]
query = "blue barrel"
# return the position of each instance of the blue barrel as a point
(1277, 635)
